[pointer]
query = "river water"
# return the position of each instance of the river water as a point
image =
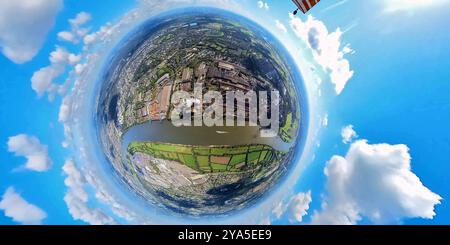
(165, 131)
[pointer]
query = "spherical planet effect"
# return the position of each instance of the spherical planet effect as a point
(197, 170)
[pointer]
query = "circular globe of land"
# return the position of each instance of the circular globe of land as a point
(194, 155)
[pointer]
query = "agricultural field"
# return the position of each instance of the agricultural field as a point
(205, 159)
(288, 131)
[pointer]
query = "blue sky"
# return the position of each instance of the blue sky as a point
(380, 65)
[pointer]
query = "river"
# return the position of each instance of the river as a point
(165, 131)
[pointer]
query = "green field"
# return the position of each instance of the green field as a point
(208, 159)
(287, 132)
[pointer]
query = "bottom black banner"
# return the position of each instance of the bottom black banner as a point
(223, 234)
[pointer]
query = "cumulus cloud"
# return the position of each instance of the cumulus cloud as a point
(77, 32)
(295, 209)
(31, 148)
(326, 48)
(42, 80)
(298, 206)
(67, 36)
(102, 194)
(24, 26)
(81, 19)
(65, 110)
(101, 35)
(76, 197)
(392, 6)
(263, 5)
(280, 26)
(20, 210)
(348, 134)
(374, 181)
(64, 117)
(325, 121)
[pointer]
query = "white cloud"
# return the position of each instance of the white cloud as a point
(81, 19)
(90, 38)
(79, 68)
(376, 182)
(20, 210)
(348, 134)
(24, 26)
(103, 195)
(65, 110)
(77, 31)
(77, 198)
(411, 5)
(31, 148)
(101, 35)
(279, 210)
(263, 5)
(42, 80)
(280, 26)
(325, 121)
(65, 117)
(326, 49)
(296, 208)
(67, 36)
